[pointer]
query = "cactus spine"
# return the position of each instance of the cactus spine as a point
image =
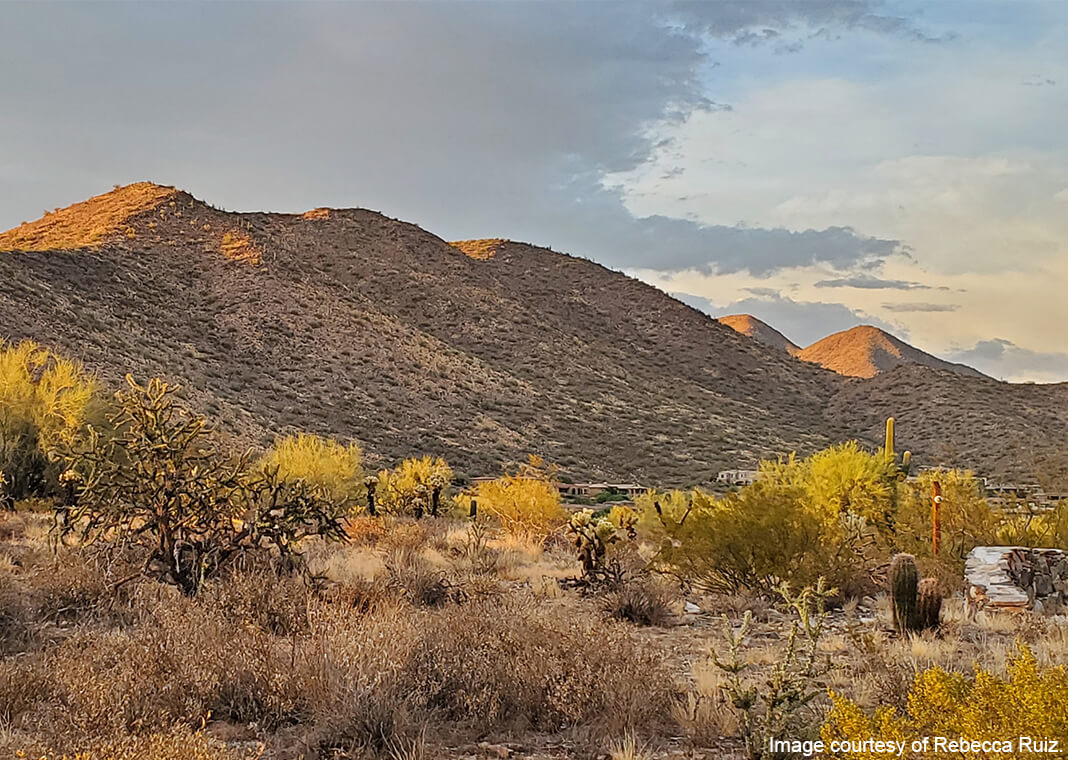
(929, 604)
(904, 580)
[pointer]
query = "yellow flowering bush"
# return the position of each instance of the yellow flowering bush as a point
(1030, 702)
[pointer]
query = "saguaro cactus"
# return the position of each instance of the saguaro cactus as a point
(904, 580)
(889, 445)
(929, 604)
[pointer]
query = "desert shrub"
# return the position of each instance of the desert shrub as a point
(487, 665)
(322, 463)
(156, 475)
(177, 744)
(782, 703)
(180, 664)
(525, 503)
(967, 521)
(643, 602)
(417, 580)
(416, 487)
(831, 516)
(84, 584)
(279, 607)
(983, 707)
(44, 402)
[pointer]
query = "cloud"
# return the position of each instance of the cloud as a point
(803, 322)
(921, 307)
(468, 119)
(1006, 360)
(751, 22)
(870, 282)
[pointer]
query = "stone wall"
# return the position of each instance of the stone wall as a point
(1041, 573)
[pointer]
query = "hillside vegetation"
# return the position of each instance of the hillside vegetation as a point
(348, 324)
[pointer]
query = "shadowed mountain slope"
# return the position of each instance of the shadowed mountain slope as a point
(865, 351)
(350, 324)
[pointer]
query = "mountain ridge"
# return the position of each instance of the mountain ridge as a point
(865, 351)
(751, 327)
(344, 322)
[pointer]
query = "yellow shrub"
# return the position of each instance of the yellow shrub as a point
(1031, 702)
(526, 507)
(415, 487)
(967, 521)
(826, 516)
(44, 402)
(322, 463)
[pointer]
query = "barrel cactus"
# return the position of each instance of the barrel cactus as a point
(904, 583)
(929, 604)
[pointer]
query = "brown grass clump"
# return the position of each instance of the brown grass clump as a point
(89, 223)
(643, 602)
(479, 249)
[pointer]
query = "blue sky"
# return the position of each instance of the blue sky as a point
(818, 164)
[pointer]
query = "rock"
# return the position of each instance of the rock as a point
(495, 750)
(691, 608)
(1014, 577)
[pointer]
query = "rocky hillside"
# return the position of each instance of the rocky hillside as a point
(751, 327)
(866, 351)
(350, 324)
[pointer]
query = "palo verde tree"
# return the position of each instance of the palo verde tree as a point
(415, 487)
(336, 468)
(44, 401)
(156, 475)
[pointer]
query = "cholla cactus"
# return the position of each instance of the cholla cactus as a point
(436, 482)
(371, 483)
(592, 538)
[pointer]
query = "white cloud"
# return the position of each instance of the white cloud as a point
(943, 149)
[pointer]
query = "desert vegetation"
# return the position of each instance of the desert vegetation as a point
(164, 594)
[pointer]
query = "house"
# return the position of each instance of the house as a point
(593, 490)
(738, 477)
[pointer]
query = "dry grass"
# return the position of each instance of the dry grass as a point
(408, 650)
(236, 246)
(479, 249)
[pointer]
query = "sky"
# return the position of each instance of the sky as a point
(818, 164)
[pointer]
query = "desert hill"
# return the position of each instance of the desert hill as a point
(750, 326)
(350, 324)
(865, 351)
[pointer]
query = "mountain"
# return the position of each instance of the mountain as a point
(750, 326)
(865, 351)
(354, 325)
